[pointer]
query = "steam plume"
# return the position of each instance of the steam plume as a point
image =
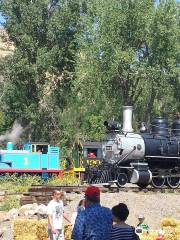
(14, 134)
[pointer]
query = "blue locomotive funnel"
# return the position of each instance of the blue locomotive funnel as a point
(9, 146)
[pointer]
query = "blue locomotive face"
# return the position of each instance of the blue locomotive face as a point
(30, 156)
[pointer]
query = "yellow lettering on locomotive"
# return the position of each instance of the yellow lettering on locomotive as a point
(26, 161)
(93, 162)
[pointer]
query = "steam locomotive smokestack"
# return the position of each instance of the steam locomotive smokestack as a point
(127, 119)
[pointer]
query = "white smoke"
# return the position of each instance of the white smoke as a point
(14, 134)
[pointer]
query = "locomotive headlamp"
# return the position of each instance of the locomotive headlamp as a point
(112, 125)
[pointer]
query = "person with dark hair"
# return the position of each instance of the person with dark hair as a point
(80, 208)
(121, 230)
(95, 222)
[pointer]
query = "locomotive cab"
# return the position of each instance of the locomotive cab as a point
(40, 148)
(92, 153)
(37, 147)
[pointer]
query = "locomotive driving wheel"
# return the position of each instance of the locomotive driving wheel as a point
(173, 182)
(122, 179)
(158, 182)
(104, 177)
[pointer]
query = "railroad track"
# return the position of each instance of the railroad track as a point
(42, 194)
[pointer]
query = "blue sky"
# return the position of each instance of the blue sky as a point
(1, 20)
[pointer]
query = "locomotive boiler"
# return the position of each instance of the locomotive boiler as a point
(149, 157)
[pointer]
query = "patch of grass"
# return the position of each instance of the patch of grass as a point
(12, 183)
(15, 183)
(9, 202)
(65, 180)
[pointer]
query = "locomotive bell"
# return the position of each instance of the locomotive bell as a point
(127, 119)
(143, 127)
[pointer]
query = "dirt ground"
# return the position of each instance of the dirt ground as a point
(154, 206)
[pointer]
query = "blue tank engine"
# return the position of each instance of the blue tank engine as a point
(40, 158)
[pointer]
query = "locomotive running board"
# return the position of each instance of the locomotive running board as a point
(162, 157)
(114, 181)
(100, 184)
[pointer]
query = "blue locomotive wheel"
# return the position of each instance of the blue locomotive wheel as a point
(122, 179)
(173, 182)
(158, 182)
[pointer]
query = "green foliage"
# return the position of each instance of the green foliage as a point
(40, 71)
(76, 63)
(14, 183)
(2, 117)
(94, 127)
(128, 56)
(68, 179)
(9, 202)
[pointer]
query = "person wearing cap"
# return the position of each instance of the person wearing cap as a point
(95, 222)
(141, 225)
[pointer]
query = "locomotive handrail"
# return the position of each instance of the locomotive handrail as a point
(121, 160)
(149, 156)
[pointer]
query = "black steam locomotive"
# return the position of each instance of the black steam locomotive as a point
(150, 157)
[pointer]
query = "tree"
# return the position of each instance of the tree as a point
(42, 67)
(163, 59)
(128, 55)
(77, 62)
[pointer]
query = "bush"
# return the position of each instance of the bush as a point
(68, 179)
(16, 183)
(9, 203)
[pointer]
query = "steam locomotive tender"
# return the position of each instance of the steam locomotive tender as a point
(146, 158)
